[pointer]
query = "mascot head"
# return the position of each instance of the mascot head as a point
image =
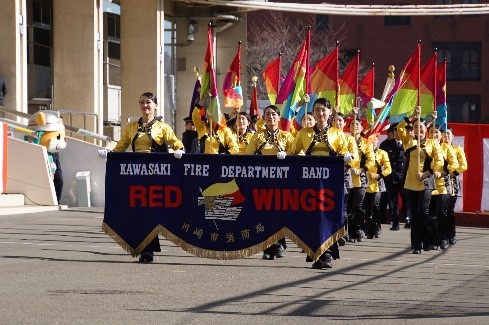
(50, 130)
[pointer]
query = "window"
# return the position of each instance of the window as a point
(443, 2)
(322, 22)
(470, 2)
(463, 60)
(464, 109)
(397, 20)
(170, 104)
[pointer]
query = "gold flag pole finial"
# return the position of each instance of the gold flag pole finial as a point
(197, 74)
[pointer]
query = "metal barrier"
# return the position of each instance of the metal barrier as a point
(68, 127)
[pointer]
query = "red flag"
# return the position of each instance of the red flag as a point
(366, 86)
(271, 75)
(349, 86)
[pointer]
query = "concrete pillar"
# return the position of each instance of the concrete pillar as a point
(13, 53)
(141, 54)
(77, 61)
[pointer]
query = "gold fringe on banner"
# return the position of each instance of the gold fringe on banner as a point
(224, 255)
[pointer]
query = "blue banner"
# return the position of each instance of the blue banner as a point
(224, 206)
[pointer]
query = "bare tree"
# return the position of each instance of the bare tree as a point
(276, 32)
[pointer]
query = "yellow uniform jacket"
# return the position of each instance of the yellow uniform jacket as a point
(264, 142)
(450, 164)
(365, 161)
(382, 167)
(160, 132)
(462, 167)
(310, 141)
(431, 158)
(243, 141)
(220, 141)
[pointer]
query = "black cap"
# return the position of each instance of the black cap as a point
(188, 119)
(392, 127)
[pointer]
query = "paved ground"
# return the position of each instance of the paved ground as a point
(60, 268)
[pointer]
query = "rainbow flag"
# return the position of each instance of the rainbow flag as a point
(441, 95)
(427, 86)
(271, 75)
(404, 95)
(294, 86)
(325, 82)
(231, 84)
(195, 95)
(349, 86)
(209, 84)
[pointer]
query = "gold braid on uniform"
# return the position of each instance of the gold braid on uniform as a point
(273, 140)
(242, 138)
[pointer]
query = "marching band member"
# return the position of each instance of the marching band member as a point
(456, 190)
(215, 139)
(365, 161)
(322, 140)
(339, 123)
(148, 134)
(423, 159)
(376, 186)
(243, 134)
(270, 140)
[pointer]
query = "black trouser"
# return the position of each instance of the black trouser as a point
(419, 204)
(438, 216)
(355, 211)
(153, 246)
(58, 177)
(372, 213)
(452, 200)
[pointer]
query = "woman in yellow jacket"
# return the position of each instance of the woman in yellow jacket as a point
(439, 197)
(149, 134)
(243, 134)
(359, 167)
(375, 187)
(456, 190)
(216, 139)
(423, 159)
(270, 140)
(322, 140)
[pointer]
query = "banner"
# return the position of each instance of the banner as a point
(223, 206)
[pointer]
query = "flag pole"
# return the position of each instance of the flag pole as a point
(419, 113)
(434, 83)
(337, 75)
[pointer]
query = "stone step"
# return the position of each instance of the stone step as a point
(11, 200)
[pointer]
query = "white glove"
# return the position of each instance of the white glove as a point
(281, 155)
(178, 153)
(348, 157)
(102, 153)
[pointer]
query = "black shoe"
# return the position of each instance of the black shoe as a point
(318, 265)
(427, 248)
(328, 261)
(146, 257)
(342, 241)
(267, 256)
(434, 247)
(407, 225)
(395, 228)
(377, 234)
(370, 236)
(279, 251)
(444, 244)
(308, 258)
(416, 251)
(452, 241)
